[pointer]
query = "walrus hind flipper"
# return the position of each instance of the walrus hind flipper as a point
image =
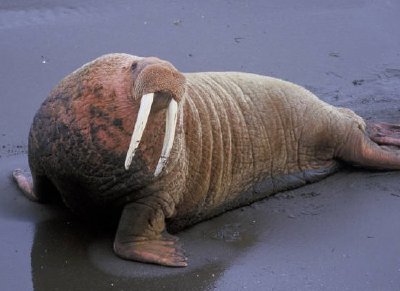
(384, 133)
(378, 148)
(141, 236)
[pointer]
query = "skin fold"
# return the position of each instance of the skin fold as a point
(239, 138)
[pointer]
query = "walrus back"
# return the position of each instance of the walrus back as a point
(249, 136)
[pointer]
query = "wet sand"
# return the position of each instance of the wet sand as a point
(342, 233)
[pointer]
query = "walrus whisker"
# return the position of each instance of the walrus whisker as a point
(141, 121)
(170, 126)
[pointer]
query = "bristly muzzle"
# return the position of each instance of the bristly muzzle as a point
(156, 76)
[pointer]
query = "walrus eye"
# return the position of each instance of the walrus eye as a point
(133, 67)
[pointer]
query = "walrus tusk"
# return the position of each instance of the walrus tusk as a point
(170, 125)
(141, 121)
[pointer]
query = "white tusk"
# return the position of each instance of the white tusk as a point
(170, 125)
(141, 121)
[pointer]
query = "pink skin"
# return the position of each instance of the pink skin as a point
(385, 133)
(24, 182)
(163, 251)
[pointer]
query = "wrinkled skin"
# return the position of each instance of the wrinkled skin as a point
(239, 137)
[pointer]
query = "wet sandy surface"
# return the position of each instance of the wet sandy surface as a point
(342, 233)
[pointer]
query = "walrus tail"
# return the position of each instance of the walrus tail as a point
(378, 147)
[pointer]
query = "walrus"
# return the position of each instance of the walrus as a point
(164, 150)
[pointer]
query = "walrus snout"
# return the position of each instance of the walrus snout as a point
(152, 75)
(160, 83)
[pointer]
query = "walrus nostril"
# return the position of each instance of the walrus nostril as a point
(134, 66)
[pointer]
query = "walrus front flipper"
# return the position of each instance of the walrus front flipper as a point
(141, 236)
(36, 188)
(25, 183)
(371, 149)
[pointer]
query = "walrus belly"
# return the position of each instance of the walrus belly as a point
(258, 191)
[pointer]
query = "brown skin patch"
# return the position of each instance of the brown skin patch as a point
(106, 103)
(103, 100)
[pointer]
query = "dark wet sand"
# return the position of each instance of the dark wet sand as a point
(342, 233)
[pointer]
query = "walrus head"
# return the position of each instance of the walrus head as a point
(157, 84)
(148, 84)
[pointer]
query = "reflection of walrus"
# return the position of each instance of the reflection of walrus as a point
(202, 143)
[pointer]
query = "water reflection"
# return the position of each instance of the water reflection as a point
(68, 254)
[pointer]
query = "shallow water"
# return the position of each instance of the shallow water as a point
(339, 234)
